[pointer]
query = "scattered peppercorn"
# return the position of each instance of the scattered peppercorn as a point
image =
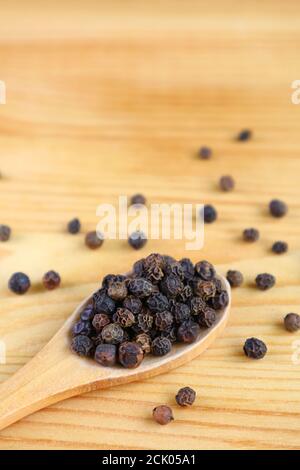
(138, 200)
(292, 322)
(5, 233)
(51, 280)
(265, 281)
(106, 355)
(93, 240)
(74, 226)
(235, 278)
(244, 135)
(280, 247)
(251, 234)
(163, 414)
(255, 348)
(278, 208)
(19, 283)
(185, 396)
(205, 153)
(161, 302)
(227, 183)
(130, 354)
(209, 214)
(137, 240)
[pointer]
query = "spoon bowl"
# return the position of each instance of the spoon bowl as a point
(56, 373)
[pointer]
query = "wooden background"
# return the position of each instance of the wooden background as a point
(109, 98)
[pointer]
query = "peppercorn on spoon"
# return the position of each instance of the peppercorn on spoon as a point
(56, 373)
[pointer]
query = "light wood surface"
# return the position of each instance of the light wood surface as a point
(109, 98)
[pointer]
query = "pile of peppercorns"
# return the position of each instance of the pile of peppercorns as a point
(163, 301)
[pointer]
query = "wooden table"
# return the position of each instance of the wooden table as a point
(110, 98)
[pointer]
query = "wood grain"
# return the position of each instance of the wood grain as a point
(116, 98)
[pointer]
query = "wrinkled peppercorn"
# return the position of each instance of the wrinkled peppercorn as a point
(112, 333)
(197, 305)
(124, 317)
(235, 278)
(163, 414)
(292, 322)
(87, 313)
(5, 233)
(250, 234)
(280, 247)
(209, 214)
(188, 332)
(153, 267)
(205, 153)
(205, 270)
(227, 183)
(265, 281)
(51, 280)
(145, 321)
(137, 240)
(106, 355)
(138, 200)
(204, 289)
(117, 290)
(94, 240)
(171, 285)
(161, 346)
(255, 348)
(130, 355)
(188, 268)
(74, 226)
(220, 301)
(82, 345)
(244, 135)
(278, 208)
(144, 340)
(140, 287)
(181, 312)
(19, 283)
(103, 303)
(157, 302)
(82, 328)
(207, 318)
(100, 320)
(134, 304)
(185, 396)
(163, 320)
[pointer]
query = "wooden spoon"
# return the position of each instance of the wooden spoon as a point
(56, 373)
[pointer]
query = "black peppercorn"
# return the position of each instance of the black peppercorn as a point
(51, 280)
(185, 396)
(204, 289)
(94, 240)
(205, 153)
(171, 285)
(103, 303)
(140, 287)
(292, 322)
(134, 304)
(117, 290)
(197, 305)
(19, 283)
(130, 355)
(138, 200)
(235, 278)
(188, 268)
(161, 346)
(250, 234)
(5, 233)
(255, 348)
(82, 345)
(209, 214)
(163, 414)
(74, 226)
(163, 320)
(82, 328)
(181, 312)
(280, 247)
(144, 340)
(137, 240)
(112, 333)
(244, 135)
(157, 302)
(205, 270)
(100, 320)
(87, 313)
(188, 332)
(124, 317)
(106, 355)
(278, 208)
(220, 301)
(145, 321)
(154, 267)
(265, 281)
(227, 183)
(207, 318)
